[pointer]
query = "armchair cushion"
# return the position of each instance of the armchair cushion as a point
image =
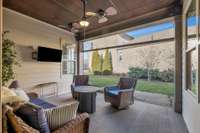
(113, 92)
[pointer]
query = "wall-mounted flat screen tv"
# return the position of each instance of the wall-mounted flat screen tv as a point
(49, 54)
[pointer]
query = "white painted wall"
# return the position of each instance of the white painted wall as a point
(191, 112)
(28, 34)
(191, 107)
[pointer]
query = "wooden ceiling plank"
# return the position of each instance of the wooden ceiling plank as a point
(132, 22)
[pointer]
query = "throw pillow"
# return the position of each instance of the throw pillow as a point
(58, 116)
(18, 125)
(9, 96)
(34, 116)
(20, 92)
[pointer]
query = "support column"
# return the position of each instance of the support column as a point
(78, 58)
(1, 27)
(178, 64)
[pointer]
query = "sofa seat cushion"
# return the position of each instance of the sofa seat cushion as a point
(42, 103)
(113, 92)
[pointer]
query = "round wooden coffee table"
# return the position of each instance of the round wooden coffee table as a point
(86, 98)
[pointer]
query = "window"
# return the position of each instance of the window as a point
(120, 56)
(191, 49)
(68, 60)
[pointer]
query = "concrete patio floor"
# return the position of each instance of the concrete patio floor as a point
(141, 117)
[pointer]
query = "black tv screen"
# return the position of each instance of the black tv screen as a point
(49, 54)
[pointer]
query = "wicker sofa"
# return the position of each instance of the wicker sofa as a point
(80, 124)
(122, 95)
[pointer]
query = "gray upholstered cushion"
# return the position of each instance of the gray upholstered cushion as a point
(58, 116)
(34, 116)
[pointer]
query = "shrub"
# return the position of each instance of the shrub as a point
(155, 74)
(167, 76)
(141, 73)
(137, 72)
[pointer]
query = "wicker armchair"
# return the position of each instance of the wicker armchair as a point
(79, 80)
(122, 95)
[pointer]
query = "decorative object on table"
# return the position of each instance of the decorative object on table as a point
(79, 80)
(8, 59)
(122, 95)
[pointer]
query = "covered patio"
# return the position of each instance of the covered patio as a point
(142, 117)
(49, 23)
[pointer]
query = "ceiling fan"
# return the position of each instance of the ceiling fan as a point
(101, 14)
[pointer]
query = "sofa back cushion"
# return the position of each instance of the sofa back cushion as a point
(34, 116)
(60, 115)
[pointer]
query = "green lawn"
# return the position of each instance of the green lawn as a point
(142, 85)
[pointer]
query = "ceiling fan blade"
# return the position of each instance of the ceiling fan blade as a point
(91, 14)
(76, 25)
(110, 11)
(102, 20)
(74, 30)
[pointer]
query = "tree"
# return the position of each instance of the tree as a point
(149, 58)
(96, 63)
(107, 64)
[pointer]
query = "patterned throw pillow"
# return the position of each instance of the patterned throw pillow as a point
(58, 116)
(20, 92)
(9, 96)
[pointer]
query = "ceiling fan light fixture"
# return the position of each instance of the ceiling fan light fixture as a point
(84, 23)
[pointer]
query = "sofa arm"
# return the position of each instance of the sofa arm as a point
(78, 125)
(32, 95)
(126, 90)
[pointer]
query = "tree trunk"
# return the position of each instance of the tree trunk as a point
(148, 74)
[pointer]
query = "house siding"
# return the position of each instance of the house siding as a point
(28, 34)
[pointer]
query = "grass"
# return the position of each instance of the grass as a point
(142, 85)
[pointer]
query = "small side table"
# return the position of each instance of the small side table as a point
(86, 98)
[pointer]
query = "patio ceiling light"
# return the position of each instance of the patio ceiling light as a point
(84, 22)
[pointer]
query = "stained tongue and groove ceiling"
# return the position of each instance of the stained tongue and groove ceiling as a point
(62, 12)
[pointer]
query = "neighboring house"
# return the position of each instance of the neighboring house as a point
(133, 56)
(161, 54)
